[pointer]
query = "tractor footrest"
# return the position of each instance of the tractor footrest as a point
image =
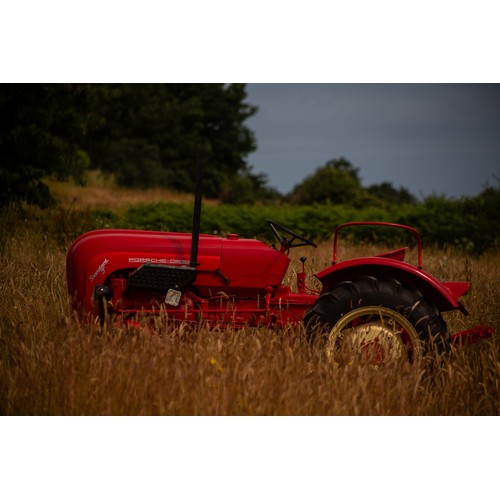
(161, 278)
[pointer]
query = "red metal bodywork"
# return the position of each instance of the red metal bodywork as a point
(444, 294)
(237, 281)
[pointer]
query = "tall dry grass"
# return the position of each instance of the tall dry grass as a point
(50, 364)
(101, 192)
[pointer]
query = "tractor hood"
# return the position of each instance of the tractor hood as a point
(224, 264)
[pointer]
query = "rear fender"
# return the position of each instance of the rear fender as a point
(443, 294)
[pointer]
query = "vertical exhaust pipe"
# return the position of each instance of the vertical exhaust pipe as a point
(197, 209)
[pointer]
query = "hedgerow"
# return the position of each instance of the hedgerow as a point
(473, 224)
(469, 224)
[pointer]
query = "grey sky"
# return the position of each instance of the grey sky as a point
(429, 138)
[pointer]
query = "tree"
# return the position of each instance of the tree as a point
(247, 187)
(152, 134)
(336, 182)
(146, 135)
(41, 134)
(389, 195)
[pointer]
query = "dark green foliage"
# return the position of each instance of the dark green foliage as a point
(65, 225)
(248, 188)
(41, 133)
(470, 224)
(62, 225)
(24, 183)
(135, 162)
(386, 192)
(161, 217)
(336, 182)
(146, 135)
(152, 134)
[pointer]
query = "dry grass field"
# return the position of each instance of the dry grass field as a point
(50, 364)
(100, 191)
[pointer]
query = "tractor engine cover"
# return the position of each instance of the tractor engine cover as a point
(160, 261)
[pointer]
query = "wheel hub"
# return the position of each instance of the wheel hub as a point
(375, 334)
(376, 341)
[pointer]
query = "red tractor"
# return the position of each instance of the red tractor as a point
(381, 306)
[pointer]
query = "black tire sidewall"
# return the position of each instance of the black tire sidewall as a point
(370, 291)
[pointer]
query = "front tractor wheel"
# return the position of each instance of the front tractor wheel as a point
(377, 320)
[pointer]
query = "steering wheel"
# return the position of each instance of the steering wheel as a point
(282, 235)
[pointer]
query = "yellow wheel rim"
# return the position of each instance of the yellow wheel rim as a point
(373, 334)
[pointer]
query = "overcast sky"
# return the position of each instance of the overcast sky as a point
(429, 138)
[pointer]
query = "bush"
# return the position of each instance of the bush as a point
(61, 225)
(472, 224)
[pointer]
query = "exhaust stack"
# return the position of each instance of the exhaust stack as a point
(197, 209)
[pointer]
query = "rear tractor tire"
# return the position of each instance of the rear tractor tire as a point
(377, 320)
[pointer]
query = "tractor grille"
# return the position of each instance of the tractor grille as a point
(161, 278)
